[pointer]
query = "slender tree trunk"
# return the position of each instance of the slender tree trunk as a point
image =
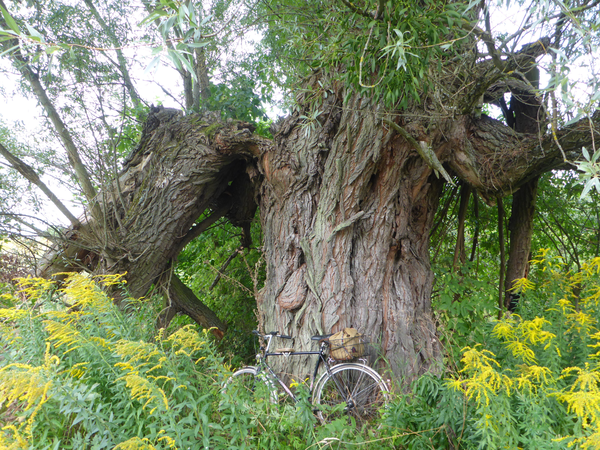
(460, 255)
(30, 174)
(520, 227)
(501, 245)
(476, 231)
(27, 72)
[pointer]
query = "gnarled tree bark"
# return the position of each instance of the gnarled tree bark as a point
(346, 206)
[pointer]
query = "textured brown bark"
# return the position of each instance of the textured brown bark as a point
(183, 300)
(520, 227)
(182, 167)
(460, 256)
(346, 213)
(346, 206)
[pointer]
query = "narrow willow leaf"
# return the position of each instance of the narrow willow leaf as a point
(10, 21)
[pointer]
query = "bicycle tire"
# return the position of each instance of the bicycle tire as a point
(362, 386)
(246, 387)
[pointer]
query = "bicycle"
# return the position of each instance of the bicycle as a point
(357, 386)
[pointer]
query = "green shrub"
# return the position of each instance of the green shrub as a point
(535, 383)
(79, 373)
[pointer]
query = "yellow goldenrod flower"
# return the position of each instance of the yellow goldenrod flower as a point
(135, 443)
(583, 397)
(143, 389)
(504, 329)
(522, 285)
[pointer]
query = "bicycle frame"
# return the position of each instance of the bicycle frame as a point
(264, 353)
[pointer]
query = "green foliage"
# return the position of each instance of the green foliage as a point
(463, 304)
(535, 381)
(429, 414)
(589, 172)
(80, 371)
(530, 380)
(236, 100)
(76, 372)
(385, 52)
(233, 297)
(567, 223)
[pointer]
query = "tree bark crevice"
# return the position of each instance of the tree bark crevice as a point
(347, 207)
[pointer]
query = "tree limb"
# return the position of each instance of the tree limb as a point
(424, 151)
(33, 79)
(28, 172)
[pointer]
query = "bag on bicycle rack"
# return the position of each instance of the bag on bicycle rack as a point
(346, 344)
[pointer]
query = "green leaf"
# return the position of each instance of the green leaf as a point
(585, 153)
(14, 47)
(152, 65)
(197, 44)
(588, 186)
(52, 49)
(34, 34)
(10, 21)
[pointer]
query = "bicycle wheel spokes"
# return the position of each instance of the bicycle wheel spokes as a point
(241, 387)
(360, 391)
(247, 387)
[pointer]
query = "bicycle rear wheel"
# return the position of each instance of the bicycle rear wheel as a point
(248, 386)
(358, 386)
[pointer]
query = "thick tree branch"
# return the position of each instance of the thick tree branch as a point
(495, 159)
(28, 172)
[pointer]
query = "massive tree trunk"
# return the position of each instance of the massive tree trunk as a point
(346, 202)
(346, 210)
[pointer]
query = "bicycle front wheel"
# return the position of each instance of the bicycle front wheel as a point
(248, 386)
(360, 388)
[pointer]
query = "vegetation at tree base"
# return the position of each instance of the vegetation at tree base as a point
(79, 372)
(387, 200)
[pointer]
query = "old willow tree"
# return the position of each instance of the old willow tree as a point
(388, 104)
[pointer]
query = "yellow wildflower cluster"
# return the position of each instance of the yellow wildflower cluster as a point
(85, 341)
(143, 389)
(137, 443)
(85, 295)
(138, 355)
(570, 324)
(187, 341)
(34, 288)
(25, 386)
(484, 380)
(8, 333)
(519, 334)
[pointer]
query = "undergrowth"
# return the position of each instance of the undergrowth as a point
(77, 372)
(534, 382)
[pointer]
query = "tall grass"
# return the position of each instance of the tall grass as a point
(77, 372)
